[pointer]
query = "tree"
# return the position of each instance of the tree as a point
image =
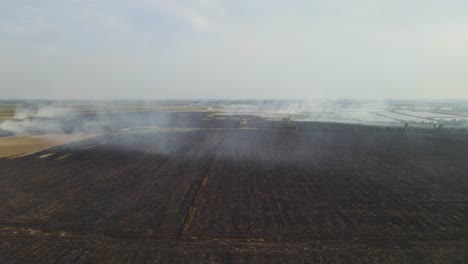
(405, 127)
(285, 122)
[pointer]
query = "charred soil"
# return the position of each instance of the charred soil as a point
(318, 193)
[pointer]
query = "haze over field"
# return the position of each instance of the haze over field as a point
(233, 131)
(233, 49)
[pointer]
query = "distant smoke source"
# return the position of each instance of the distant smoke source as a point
(50, 119)
(52, 112)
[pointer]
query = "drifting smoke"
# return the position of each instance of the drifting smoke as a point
(50, 119)
(342, 111)
(53, 112)
(31, 126)
(24, 113)
(92, 119)
(100, 118)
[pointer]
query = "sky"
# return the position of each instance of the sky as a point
(259, 49)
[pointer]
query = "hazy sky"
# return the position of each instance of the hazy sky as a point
(155, 49)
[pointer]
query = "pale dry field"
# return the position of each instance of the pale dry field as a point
(5, 117)
(25, 144)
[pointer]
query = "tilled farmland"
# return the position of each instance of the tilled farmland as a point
(317, 193)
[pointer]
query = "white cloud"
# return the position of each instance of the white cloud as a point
(189, 15)
(200, 15)
(233, 48)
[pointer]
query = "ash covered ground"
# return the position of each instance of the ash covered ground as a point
(193, 187)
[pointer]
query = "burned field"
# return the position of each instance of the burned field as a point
(224, 194)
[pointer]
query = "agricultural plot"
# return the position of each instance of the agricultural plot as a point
(327, 116)
(327, 186)
(128, 188)
(226, 195)
(403, 117)
(365, 116)
(430, 115)
(22, 145)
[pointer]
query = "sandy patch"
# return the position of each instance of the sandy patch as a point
(64, 156)
(46, 155)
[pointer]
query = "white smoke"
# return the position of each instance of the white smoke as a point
(48, 119)
(31, 125)
(24, 113)
(53, 112)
